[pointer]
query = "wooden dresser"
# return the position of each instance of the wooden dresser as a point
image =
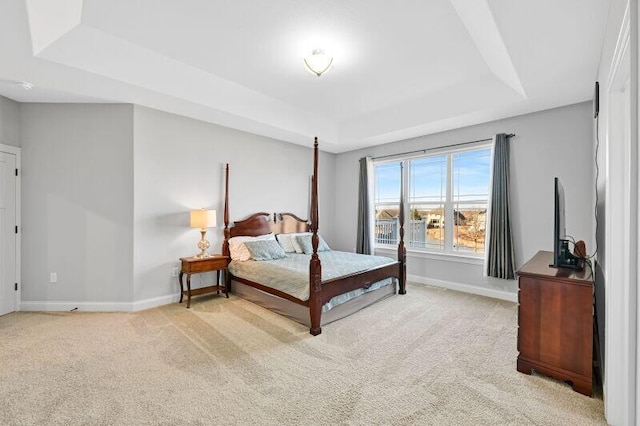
(555, 322)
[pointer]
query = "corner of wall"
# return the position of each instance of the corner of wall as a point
(10, 120)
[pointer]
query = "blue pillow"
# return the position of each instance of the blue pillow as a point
(307, 248)
(265, 250)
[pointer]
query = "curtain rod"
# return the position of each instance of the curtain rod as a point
(510, 135)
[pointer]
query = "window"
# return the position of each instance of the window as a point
(427, 202)
(446, 197)
(387, 202)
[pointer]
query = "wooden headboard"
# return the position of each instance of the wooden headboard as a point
(287, 223)
(260, 223)
(264, 223)
(254, 225)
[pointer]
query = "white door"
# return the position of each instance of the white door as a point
(7, 233)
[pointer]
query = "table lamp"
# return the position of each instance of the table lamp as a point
(203, 219)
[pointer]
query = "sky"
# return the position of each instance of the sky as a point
(428, 176)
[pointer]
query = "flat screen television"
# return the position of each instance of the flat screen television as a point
(562, 256)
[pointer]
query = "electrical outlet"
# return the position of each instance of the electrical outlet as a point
(53, 277)
(174, 271)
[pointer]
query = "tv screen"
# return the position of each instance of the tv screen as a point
(562, 256)
(559, 230)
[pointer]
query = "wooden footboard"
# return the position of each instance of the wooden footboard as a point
(319, 295)
(340, 285)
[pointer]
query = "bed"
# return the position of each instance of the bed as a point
(313, 286)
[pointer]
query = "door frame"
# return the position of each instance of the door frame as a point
(17, 152)
(621, 224)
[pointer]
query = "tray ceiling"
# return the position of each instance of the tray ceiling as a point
(401, 69)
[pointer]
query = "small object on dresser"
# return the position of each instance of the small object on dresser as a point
(195, 265)
(580, 249)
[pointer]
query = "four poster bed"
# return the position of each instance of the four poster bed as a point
(313, 285)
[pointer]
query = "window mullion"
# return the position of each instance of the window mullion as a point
(448, 217)
(405, 197)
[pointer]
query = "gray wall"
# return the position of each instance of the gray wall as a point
(77, 202)
(549, 143)
(179, 167)
(107, 190)
(9, 122)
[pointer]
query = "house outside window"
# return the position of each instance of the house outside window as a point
(446, 196)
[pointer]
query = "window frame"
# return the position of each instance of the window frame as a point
(449, 204)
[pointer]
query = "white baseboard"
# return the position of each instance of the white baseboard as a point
(466, 288)
(173, 298)
(80, 306)
(154, 302)
(100, 306)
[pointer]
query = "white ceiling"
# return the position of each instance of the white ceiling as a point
(401, 69)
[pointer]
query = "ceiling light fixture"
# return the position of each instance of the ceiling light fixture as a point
(24, 84)
(318, 62)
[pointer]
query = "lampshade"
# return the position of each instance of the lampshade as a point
(318, 62)
(203, 218)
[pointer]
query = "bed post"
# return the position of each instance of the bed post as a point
(402, 251)
(227, 233)
(315, 267)
(225, 244)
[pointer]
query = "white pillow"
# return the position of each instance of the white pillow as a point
(285, 242)
(289, 243)
(239, 251)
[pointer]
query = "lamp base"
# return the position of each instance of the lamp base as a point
(203, 245)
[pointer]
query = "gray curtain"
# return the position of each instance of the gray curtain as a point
(364, 244)
(500, 257)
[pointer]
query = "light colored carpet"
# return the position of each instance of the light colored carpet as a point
(430, 357)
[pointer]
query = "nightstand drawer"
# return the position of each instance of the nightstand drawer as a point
(213, 263)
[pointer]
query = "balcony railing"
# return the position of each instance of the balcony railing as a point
(387, 232)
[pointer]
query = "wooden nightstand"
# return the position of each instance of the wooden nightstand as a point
(194, 265)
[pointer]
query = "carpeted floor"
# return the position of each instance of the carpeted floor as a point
(432, 356)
